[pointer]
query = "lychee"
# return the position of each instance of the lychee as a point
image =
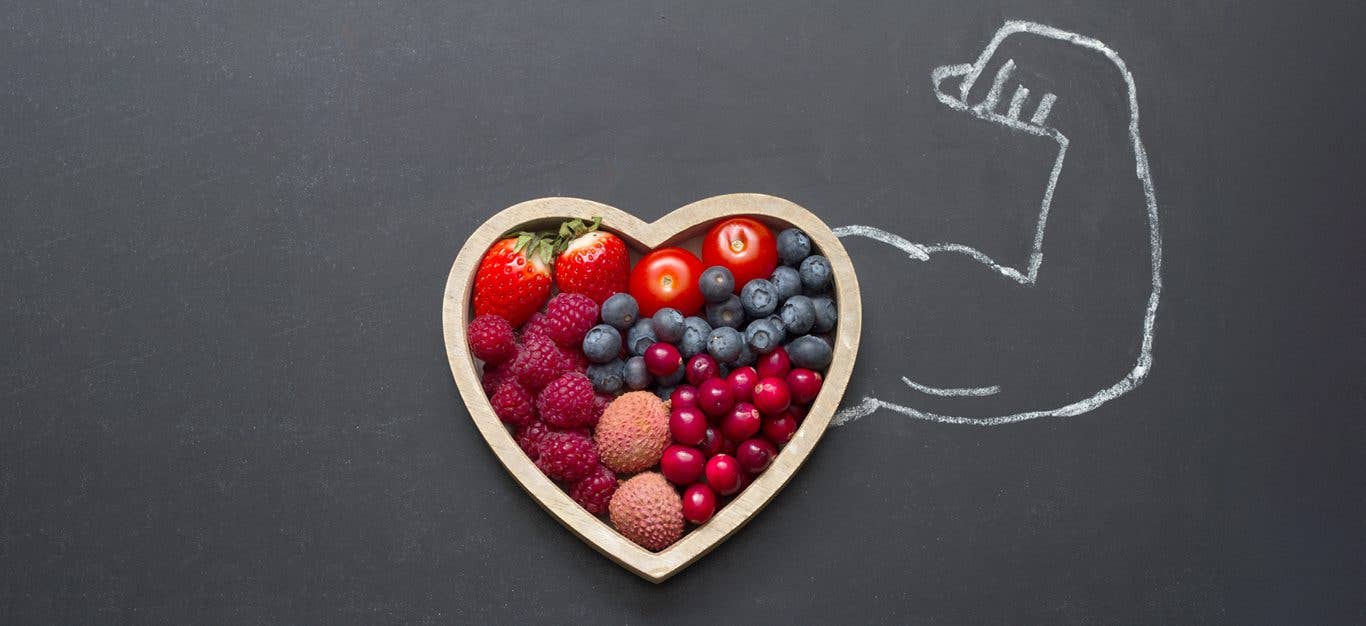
(647, 510)
(633, 432)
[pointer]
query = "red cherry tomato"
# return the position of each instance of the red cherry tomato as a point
(744, 246)
(667, 277)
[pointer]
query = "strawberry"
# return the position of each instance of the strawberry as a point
(513, 279)
(591, 262)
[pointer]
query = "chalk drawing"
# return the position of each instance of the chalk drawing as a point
(1028, 275)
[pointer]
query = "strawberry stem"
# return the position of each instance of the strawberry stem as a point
(546, 244)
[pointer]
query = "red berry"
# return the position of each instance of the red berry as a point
(513, 279)
(491, 339)
(529, 438)
(538, 363)
(683, 395)
(567, 456)
(771, 396)
(701, 367)
(513, 405)
(742, 422)
(600, 402)
(774, 364)
(780, 428)
(595, 490)
(567, 402)
(662, 359)
(714, 397)
(804, 384)
(537, 324)
(742, 381)
(594, 263)
(681, 465)
(723, 474)
(494, 376)
(711, 442)
(755, 455)
(699, 503)
(687, 425)
(569, 316)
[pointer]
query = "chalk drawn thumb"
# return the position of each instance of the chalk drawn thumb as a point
(988, 90)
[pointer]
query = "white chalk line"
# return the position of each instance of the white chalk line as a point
(971, 72)
(952, 391)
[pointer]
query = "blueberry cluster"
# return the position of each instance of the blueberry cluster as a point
(793, 308)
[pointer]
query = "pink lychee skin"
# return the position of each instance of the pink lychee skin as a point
(647, 510)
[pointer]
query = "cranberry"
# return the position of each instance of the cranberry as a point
(681, 465)
(688, 425)
(742, 422)
(805, 385)
(701, 367)
(714, 397)
(741, 380)
(771, 396)
(683, 395)
(711, 442)
(798, 413)
(662, 359)
(699, 503)
(774, 364)
(754, 455)
(723, 474)
(779, 428)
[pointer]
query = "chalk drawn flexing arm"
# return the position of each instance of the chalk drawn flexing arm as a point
(985, 94)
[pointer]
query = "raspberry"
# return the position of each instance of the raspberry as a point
(529, 438)
(573, 360)
(539, 362)
(494, 376)
(537, 325)
(600, 402)
(567, 402)
(594, 491)
(569, 316)
(567, 456)
(513, 404)
(491, 339)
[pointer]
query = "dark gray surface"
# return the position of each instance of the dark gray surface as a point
(224, 231)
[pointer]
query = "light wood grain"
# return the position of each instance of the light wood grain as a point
(673, 229)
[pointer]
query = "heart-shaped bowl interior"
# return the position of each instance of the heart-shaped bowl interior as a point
(683, 227)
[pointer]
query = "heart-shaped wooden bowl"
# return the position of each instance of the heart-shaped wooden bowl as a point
(675, 228)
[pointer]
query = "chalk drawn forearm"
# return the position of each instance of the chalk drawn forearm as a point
(996, 108)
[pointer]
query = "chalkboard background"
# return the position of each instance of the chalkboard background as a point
(224, 233)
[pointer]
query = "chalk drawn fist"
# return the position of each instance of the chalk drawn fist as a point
(1062, 323)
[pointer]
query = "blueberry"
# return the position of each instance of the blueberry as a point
(810, 352)
(716, 284)
(620, 311)
(826, 314)
(759, 297)
(602, 343)
(787, 281)
(799, 314)
(815, 272)
(724, 344)
(780, 326)
(640, 337)
(607, 377)
(729, 313)
(695, 332)
(668, 325)
(762, 336)
(746, 356)
(664, 392)
(673, 379)
(634, 373)
(793, 246)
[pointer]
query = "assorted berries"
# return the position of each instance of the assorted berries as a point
(654, 393)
